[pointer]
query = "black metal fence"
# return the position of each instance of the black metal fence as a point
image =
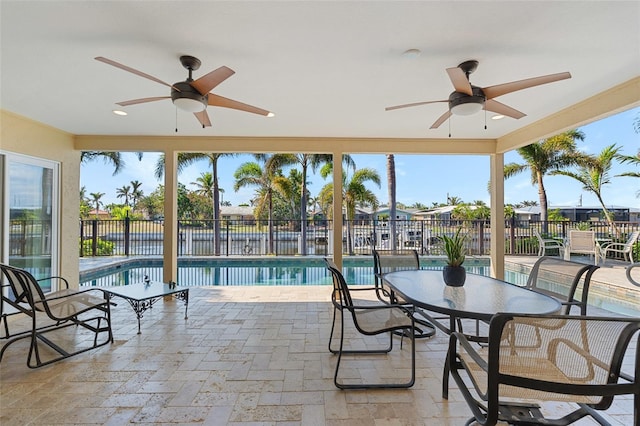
(238, 238)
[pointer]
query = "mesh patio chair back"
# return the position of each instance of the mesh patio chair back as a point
(547, 358)
(547, 243)
(583, 242)
(386, 261)
(89, 309)
(370, 319)
(625, 249)
(563, 279)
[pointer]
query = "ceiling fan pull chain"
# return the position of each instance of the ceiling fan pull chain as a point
(485, 118)
(176, 119)
(449, 120)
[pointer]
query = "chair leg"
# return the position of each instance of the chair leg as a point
(407, 384)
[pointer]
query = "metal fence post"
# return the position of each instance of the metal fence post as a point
(127, 234)
(94, 237)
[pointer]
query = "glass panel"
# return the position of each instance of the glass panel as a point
(31, 197)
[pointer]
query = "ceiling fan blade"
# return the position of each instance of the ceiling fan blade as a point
(131, 70)
(142, 100)
(460, 80)
(441, 120)
(502, 89)
(391, 108)
(208, 82)
(500, 108)
(203, 118)
(220, 101)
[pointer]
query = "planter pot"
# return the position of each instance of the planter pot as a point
(454, 275)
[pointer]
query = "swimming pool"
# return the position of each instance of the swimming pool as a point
(250, 271)
(306, 271)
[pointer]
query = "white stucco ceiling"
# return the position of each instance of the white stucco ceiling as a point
(324, 68)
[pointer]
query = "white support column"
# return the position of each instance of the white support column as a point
(497, 215)
(337, 208)
(170, 242)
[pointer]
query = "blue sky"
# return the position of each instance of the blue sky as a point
(420, 178)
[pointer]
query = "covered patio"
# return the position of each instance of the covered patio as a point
(257, 355)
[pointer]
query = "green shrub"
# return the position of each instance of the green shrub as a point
(103, 248)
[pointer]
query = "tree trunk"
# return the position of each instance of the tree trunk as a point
(303, 211)
(216, 209)
(270, 201)
(542, 193)
(391, 187)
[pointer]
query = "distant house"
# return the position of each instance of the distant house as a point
(437, 214)
(238, 214)
(581, 213)
(101, 214)
(383, 214)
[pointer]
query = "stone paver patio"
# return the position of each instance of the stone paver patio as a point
(245, 356)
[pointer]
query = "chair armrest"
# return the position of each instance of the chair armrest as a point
(64, 280)
(407, 309)
(628, 272)
(74, 293)
(457, 337)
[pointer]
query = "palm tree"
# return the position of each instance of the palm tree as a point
(391, 190)
(354, 192)
(453, 200)
(266, 180)
(633, 160)
(113, 157)
(136, 193)
(124, 192)
(95, 199)
(543, 157)
(594, 175)
(185, 159)
(314, 161)
(204, 185)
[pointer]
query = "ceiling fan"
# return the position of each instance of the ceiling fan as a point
(192, 95)
(468, 99)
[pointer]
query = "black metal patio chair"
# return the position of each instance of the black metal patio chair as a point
(369, 319)
(564, 280)
(51, 312)
(533, 359)
(385, 261)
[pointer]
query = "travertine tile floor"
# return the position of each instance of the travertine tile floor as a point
(245, 356)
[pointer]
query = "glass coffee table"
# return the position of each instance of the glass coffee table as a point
(142, 296)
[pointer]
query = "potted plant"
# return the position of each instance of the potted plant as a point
(454, 273)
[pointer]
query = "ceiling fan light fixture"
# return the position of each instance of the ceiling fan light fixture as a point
(464, 104)
(187, 98)
(469, 108)
(189, 105)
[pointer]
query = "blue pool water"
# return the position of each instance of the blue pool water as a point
(243, 271)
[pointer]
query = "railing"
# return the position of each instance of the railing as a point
(241, 238)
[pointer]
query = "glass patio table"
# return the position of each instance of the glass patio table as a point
(479, 299)
(142, 296)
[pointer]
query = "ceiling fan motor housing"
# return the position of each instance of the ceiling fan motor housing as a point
(188, 98)
(458, 101)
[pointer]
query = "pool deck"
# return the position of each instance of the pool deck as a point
(247, 355)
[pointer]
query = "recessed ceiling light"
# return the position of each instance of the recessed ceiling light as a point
(271, 114)
(497, 117)
(411, 53)
(118, 112)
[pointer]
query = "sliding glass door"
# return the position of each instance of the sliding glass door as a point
(29, 214)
